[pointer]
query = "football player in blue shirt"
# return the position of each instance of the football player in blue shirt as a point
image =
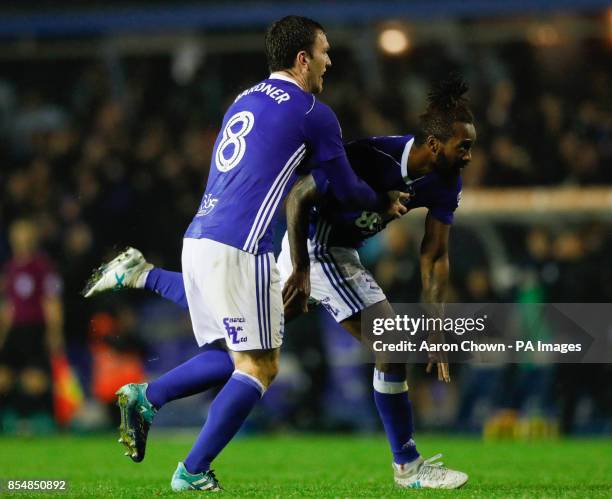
(232, 284)
(319, 258)
(322, 262)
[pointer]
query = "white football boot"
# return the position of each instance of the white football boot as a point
(129, 269)
(427, 474)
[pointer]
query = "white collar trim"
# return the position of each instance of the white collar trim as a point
(280, 76)
(404, 161)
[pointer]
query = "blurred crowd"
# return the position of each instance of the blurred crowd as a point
(102, 153)
(117, 150)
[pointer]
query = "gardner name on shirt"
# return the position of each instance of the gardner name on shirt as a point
(271, 91)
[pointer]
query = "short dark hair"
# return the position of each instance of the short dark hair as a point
(287, 37)
(446, 105)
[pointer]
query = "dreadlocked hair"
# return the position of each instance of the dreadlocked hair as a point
(446, 105)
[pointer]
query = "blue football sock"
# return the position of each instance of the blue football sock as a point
(212, 367)
(395, 410)
(167, 284)
(228, 411)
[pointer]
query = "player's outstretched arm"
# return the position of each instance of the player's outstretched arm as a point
(434, 278)
(434, 260)
(350, 190)
(300, 200)
(354, 193)
(323, 135)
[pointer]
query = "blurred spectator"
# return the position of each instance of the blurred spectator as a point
(30, 331)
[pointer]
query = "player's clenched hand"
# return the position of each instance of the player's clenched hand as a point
(396, 208)
(438, 358)
(297, 291)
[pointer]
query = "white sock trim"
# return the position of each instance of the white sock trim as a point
(388, 387)
(250, 378)
(142, 278)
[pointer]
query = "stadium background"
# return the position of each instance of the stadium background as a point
(108, 116)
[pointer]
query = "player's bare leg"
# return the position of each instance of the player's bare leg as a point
(261, 364)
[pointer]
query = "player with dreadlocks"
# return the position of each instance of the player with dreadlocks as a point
(323, 264)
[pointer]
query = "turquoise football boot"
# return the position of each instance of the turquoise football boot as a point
(137, 414)
(183, 480)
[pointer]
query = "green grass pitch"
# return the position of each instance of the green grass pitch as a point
(312, 466)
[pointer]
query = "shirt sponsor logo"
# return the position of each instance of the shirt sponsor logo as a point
(369, 222)
(207, 205)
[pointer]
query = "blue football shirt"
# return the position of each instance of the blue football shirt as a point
(383, 163)
(269, 130)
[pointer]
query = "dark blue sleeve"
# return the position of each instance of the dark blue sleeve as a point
(444, 210)
(349, 189)
(324, 137)
(391, 146)
(320, 179)
(322, 133)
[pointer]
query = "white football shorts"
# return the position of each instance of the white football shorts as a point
(232, 295)
(338, 279)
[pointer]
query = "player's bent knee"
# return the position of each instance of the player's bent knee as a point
(272, 372)
(261, 364)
